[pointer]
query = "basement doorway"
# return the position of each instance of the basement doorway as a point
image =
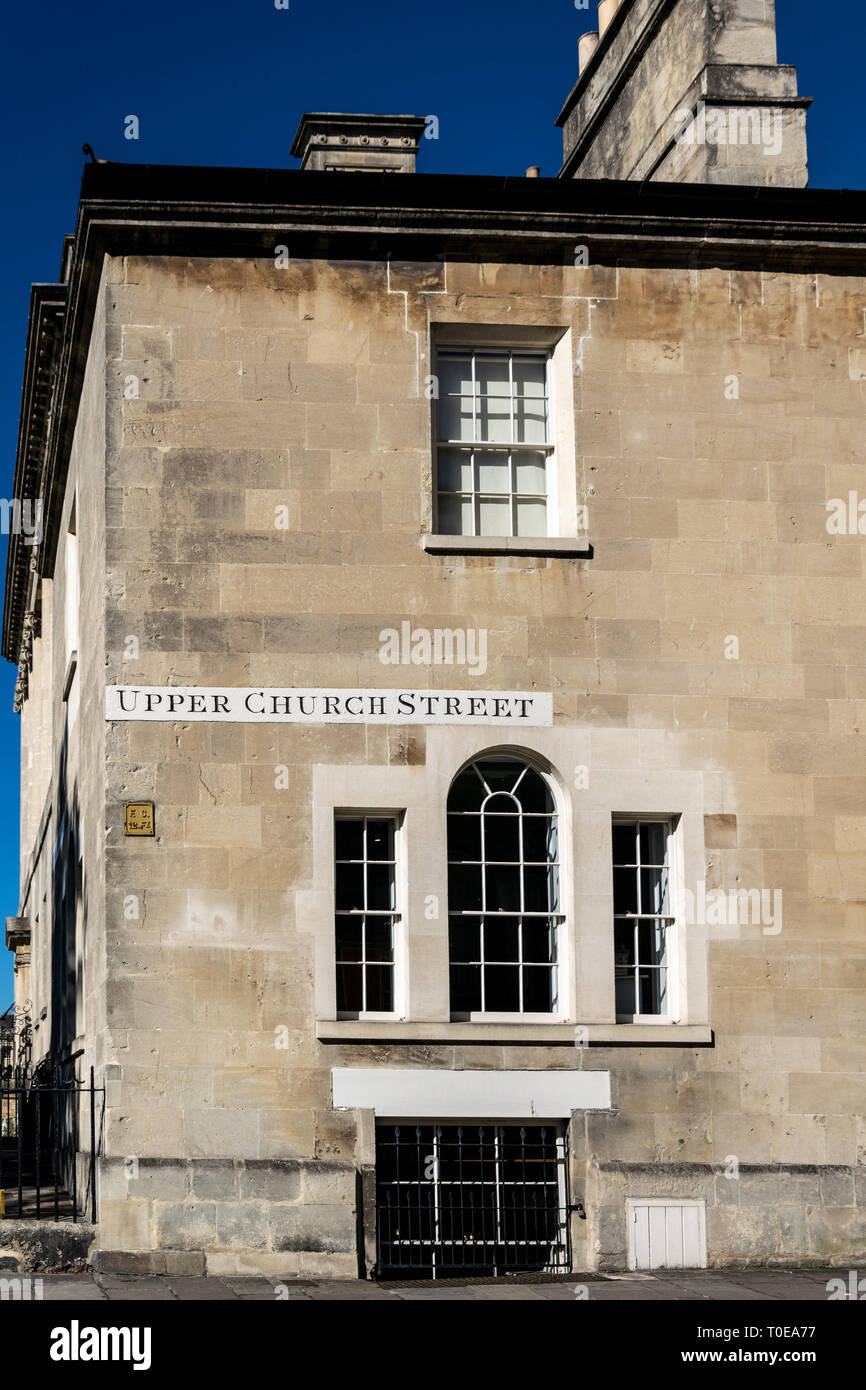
(471, 1200)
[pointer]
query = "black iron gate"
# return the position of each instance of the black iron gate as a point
(48, 1143)
(465, 1200)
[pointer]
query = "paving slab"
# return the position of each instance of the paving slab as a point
(190, 1286)
(70, 1288)
(354, 1289)
(253, 1289)
(136, 1288)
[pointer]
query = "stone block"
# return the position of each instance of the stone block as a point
(321, 1229)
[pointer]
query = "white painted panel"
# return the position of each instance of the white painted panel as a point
(639, 1246)
(693, 1257)
(658, 1237)
(674, 1237)
(665, 1234)
(236, 705)
(505, 1095)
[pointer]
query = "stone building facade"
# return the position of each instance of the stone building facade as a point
(346, 475)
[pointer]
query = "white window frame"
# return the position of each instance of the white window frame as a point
(478, 449)
(558, 966)
(672, 923)
(397, 914)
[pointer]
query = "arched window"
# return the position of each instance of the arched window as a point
(503, 889)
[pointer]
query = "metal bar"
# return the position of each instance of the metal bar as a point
(37, 1127)
(20, 1157)
(92, 1148)
(72, 1147)
(56, 1150)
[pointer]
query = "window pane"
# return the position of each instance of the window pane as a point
(501, 938)
(654, 891)
(503, 888)
(455, 375)
(538, 889)
(538, 843)
(491, 374)
(380, 886)
(530, 473)
(349, 839)
(625, 890)
(455, 418)
(494, 517)
(502, 837)
(537, 990)
(624, 843)
(348, 939)
(349, 998)
(493, 473)
(653, 991)
(653, 842)
(626, 999)
(380, 839)
(533, 793)
(530, 374)
(464, 888)
(379, 938)
(464, 837)
(652, 943)
(623, 943)
(530, 422)
(454, 470)
(454, 515)
(465, 989)
(494, 421)
(553, 842)
(467, 792)
(464, 937)
(379, 988)
(350, 886)
(531, 518)
(501, 989)
(500, 774)
(539, 941)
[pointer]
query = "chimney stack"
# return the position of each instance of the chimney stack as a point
(327, 140)
(685, 91)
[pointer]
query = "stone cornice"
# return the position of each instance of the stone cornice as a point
(44, 336)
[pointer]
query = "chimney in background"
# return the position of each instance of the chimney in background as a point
(685, 91)
(362, 143)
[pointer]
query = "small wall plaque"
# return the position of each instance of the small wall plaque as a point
(138, 818)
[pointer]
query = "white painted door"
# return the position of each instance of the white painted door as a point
(666, 1234)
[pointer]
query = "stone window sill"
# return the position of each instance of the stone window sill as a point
(562, 546)
(557, 1034)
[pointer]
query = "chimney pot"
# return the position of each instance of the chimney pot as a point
(586, 46)
(534, 171)
(606, 11)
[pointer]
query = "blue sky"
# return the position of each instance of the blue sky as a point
(225, 84)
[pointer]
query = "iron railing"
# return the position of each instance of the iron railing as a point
(471, 1200)
(48, 1118)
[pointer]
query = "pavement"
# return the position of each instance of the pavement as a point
(748, 1286)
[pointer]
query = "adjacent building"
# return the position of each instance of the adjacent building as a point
(442, 673)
